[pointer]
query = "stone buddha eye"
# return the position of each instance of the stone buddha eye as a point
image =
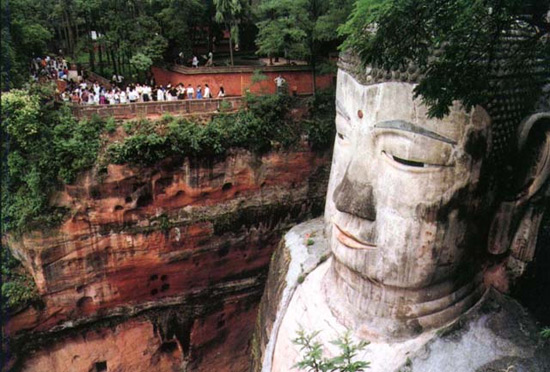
(410, 163)
(416, 163)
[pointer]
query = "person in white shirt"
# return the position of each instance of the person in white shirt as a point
(160, 94)
(110, 97)
(190, 91)
(280, 82)
(221, 93)
(139, 90)
(146, 93)
(207, 93)
(123, 97)
(195, 62)
(133, 96)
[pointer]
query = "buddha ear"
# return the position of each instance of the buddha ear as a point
(517, 221)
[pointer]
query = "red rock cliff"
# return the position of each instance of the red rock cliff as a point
(161, 268)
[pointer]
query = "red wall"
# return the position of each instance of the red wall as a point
(236, 83)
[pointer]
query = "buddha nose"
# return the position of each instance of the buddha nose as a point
(355, 198)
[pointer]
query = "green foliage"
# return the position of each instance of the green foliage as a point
(320, 127)
(545, 333)
(263, 126)
(466, 37)
(141, 62)
(300, 29)
(313, 359)
(258, 76)
(230, 13)
(18, 287)
(110, 125)
(45, 146)
(310, 242)
(283, 30)
(26, 31)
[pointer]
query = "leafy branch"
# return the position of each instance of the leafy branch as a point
(314, 361)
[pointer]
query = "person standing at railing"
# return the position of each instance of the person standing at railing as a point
(207, 93)
(190, 91)
(181, 91)
(210, 61)
(75, 98)
(221, 93)
(160, 93)
(133, 95)
(146, 93)
(139, 90)
(199, 92)
(280, 82)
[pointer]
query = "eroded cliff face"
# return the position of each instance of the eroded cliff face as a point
(161, 268)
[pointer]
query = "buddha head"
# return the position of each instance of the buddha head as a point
(416, 203)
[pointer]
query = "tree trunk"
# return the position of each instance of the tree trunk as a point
(91, 51)
(230, 44)
(313, 49)
(314, 75)
(70, 39)
(115, 67)
(101, 71)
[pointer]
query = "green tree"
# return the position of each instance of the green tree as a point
(459, 45)
(279, 32)
(43, 146)
(229, 12)
(314, 361)
(300, 29)
(26, 32)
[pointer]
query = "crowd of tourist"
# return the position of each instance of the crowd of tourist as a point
(96, 94)
(49, 68)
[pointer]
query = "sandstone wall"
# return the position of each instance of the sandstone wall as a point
(165, 265)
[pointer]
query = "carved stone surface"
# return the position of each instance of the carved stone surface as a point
(413, 207)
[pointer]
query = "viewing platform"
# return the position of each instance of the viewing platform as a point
(156, 108)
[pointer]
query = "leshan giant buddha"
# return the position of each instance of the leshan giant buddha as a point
(414, 208)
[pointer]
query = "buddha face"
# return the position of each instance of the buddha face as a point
(407, 198)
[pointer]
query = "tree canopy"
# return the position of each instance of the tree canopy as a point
(461, 46)
(119, 36)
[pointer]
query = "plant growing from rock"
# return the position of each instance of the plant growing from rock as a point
(313, 359)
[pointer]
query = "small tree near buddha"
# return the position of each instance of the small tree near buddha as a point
(314, 361)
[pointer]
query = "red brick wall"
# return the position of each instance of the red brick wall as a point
(236, 83)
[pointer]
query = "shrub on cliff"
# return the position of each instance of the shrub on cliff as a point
(320, 127)
(265, 124)
(18, 288)
(43, 146)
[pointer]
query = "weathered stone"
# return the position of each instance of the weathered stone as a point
(193, 237)
(409, 220)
